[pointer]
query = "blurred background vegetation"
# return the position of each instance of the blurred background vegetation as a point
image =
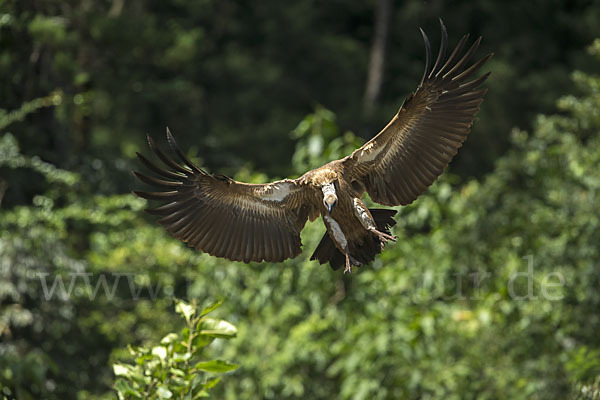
(248, 86)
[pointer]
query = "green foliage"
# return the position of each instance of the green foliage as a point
(11, 157)
(56, 326)
(7, 118)
(590, 391)
(172, 369)
(84, 273)
(413, 325)
(319, 141)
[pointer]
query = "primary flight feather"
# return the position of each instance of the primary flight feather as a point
(249, 222)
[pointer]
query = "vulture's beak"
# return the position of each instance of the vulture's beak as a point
(329, 197)
(330, 205)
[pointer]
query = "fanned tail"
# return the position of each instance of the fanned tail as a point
(364, 253)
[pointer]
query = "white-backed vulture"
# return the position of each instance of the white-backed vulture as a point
(249, 222)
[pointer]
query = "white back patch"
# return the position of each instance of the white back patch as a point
(338, 235)
(278, 192)
(369, 153)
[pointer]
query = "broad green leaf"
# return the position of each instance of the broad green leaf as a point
(211, 383)
(164, 393)
(201, 340)
(122, 370)
(169, 338)
(201, 394)
(216, 366)
(210, 308)
(130, 372)
(184, 309)
(185, 335)
(180, 357)
(179, 347)
(124, 388)
(176, 371)
(160, 352)
(197, 382)
(217, 328)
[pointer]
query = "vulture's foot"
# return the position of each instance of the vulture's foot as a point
(348, 268)
(384, 236)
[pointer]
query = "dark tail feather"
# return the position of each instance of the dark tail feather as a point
(326, 250)
(384, 219)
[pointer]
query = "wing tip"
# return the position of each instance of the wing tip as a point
(427, 55)
(139, 194)
(171, 138)
(442, 25)
(150, 141)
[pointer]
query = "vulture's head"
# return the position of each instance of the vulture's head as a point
(329, 196)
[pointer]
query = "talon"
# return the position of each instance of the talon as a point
(348, 268)
(384, 236)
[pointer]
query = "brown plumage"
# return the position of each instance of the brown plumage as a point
(245, 222)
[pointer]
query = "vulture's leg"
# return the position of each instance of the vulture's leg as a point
(366, 219)
(383, 236)
(348, 268)
(350, 261)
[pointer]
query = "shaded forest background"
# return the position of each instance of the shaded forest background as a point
(247, 87)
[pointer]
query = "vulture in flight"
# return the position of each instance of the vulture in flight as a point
(262, 222)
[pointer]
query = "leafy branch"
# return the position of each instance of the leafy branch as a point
(175, 369)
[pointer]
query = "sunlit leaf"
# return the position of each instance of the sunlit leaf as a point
(122, 370)
(217, 328)
(160, 352)
(210, 308)
(185, 309)
(124, 388)
(211, 383)
(169, 338)
(164, 393)
(216, 366)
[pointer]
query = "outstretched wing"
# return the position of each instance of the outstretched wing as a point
(408, 155)
(225, 218)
